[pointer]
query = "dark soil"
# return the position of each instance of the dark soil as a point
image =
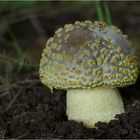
(36, 113)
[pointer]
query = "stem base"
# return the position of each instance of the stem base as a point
(92, 105)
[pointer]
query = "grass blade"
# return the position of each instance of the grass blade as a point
(99, 10)
(107, 13)
(15, 43)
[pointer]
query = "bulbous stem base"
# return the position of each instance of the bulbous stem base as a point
(92, 105)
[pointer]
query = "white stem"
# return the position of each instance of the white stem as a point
(92, 105)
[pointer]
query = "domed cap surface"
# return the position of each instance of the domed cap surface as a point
(86, 55)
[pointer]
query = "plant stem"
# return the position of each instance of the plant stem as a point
(17, 62)
(99, 10)
(107, 13)
(15, 43)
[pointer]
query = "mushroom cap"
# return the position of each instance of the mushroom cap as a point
(87, 55)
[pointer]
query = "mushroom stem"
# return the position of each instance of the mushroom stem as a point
(92, 105)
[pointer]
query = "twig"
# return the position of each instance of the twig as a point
(23, 15)
(13, 100)
(15, 61)
(16, 84)
(36, 23)
(2, 134)
(4, 94)
(20, 137)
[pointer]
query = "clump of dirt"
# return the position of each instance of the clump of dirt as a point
(36, 113)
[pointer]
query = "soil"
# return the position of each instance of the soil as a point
(36, 113)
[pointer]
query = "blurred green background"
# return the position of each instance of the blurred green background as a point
(25, 27)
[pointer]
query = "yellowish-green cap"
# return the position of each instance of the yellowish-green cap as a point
(87, 55)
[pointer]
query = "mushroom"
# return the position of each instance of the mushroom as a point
(89, 60)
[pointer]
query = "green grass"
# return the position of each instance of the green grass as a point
(99, 10)
(20, 53)
(107, 14)
(103, 12)
(14, 42)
